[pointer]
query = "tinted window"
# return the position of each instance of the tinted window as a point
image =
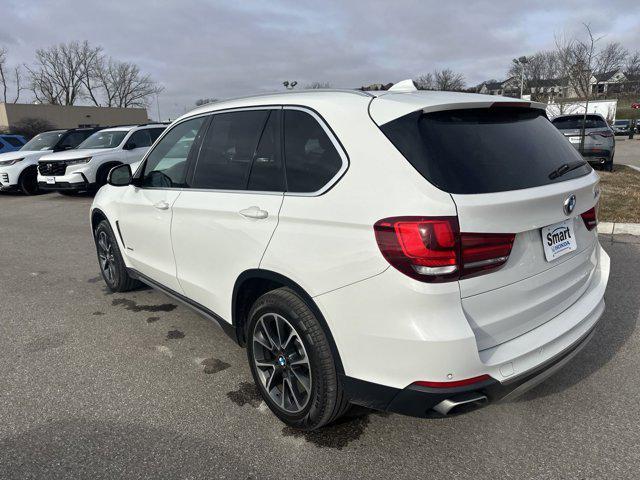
(154, 133)
(139, 139)
(73, 139)
(166, 164)
(484, 150)
(43, 141)
(228, 150)
(266, 170)
(311, 160)
(104, 139)
(13, 141)
(574, 122)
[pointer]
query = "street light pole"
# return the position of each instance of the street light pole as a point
(522, 62)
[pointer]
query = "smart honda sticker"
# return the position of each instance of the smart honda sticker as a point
(558, 239)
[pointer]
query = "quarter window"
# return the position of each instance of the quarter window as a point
(165, 166)
(311, 160)
(228, 150)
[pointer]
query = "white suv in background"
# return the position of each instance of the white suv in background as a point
(86, 168)
(18, 169)
(414, 252)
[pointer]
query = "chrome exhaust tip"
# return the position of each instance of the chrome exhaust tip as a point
(462, 403)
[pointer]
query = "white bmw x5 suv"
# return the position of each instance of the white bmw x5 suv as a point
(86, 168)
(414, 252)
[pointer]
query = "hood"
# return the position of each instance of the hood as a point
(21, 154)
(74, 153)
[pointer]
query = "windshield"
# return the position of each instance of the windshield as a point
(43, 141)
(572, 123)
(104, 139)
(484, 150)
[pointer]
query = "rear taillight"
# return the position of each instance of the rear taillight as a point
(590, 218)
(601, 133)
(432, 249)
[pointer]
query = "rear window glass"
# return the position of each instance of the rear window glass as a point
(574, 122)
(484, 150)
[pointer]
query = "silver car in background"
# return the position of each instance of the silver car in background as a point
(599, 140)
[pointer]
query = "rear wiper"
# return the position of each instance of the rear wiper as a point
(565, 168)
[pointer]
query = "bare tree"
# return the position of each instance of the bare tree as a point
(16, 74)
(317, 85)
(632, 65)
(447, 79)
(425, 82)
(131, 87)
(611, 58)
(584, 57)
(59, 71)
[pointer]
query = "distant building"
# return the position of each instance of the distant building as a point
(70, 116)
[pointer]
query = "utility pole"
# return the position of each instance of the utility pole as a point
(522, 61)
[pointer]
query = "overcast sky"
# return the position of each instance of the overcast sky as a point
(200, 48)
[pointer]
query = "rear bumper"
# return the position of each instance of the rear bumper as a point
(419, 401)
(390, 339)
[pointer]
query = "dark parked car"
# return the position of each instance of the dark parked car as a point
(599, 142)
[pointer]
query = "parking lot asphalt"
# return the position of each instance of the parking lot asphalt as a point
(100, 385)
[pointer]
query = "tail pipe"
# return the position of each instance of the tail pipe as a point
(462, 403)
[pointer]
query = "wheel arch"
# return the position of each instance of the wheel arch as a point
(253, 283)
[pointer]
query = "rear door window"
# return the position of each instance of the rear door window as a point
(228, 150)
(484, 150)
(311, 160)
(267, 174)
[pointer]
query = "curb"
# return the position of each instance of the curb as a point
(612, 228)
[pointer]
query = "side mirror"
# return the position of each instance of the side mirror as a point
(62, 148)
(120, 176)
(130, 146)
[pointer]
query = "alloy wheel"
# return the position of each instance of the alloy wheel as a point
(106, 257)
(281, 362)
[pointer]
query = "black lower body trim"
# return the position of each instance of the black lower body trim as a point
(66, 186)
(417, 401)
(202, 310)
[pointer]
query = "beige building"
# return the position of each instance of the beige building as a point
(70, 116)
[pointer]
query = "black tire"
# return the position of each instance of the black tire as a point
(112, 267)
(324, 398)
(28, 181)
(608, 167)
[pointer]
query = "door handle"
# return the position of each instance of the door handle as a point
(254, 212)
(161, 205)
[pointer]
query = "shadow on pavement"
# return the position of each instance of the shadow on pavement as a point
(616, 325)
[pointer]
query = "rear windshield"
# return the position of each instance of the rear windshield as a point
(484, 150)
(574, 122)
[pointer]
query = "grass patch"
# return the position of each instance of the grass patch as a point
(620, 195)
